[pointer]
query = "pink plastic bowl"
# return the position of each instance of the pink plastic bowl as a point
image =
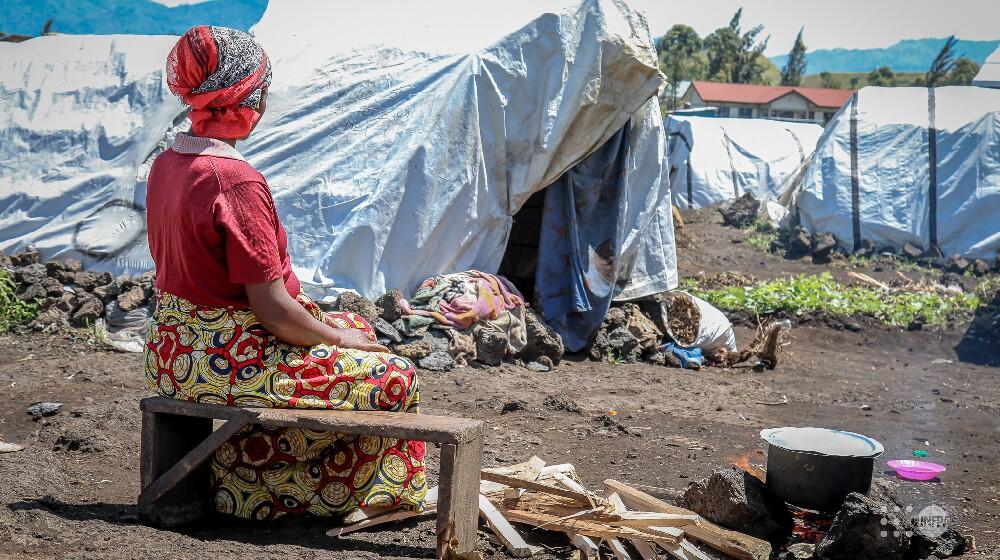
(916, 470)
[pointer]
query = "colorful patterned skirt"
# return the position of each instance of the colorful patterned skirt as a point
(224, 356)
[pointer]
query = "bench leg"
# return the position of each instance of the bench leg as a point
(458, 495)
(166, 439)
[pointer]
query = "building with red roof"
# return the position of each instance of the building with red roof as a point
(751, 101)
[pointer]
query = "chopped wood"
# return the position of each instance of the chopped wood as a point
(654, 519)
(505, 532)
(582, 527)
(644, 549)
(580, 497)
(389, 517)
(733, 543)
(586, 545)
(861, 277)
(618, 549)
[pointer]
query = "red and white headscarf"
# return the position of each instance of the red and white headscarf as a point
(221, 73)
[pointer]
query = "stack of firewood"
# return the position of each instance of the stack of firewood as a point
(631, 523)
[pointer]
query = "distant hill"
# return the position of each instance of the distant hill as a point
(908, 55)
(142, 17)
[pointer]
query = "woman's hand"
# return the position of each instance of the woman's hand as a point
(353, 338)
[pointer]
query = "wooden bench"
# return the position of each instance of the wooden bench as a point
(178, 440)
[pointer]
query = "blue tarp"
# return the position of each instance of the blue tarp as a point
(581, 235)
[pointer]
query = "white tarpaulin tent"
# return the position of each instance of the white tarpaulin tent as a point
(400, 139)
(909, 165)
(712, 160)
(989, 73)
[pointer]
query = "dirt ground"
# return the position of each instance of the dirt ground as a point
(71, 493)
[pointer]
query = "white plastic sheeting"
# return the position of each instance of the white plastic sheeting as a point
(397, 147)
(989, 73)
(909, 165)
(712, 160)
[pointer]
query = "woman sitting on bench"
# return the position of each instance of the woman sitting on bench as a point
(232, 326)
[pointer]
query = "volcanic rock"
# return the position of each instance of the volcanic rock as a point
(89, 280)
(40, 409)
(865, 529)
(26, 257)
(737, 500)
(30, 274)
(134, 298)
(957, 264)
(388, 305)
(865, 249)
(89, 308)
(823, 245)
(561, 403)
(741, 212)
(413, 351)
(53, 287)
(912, 251)
(438, 361)
(542, 340)
(491, 346)
(351, 302)
(32, 292)
(800, 243)
(980, 267)
(384, 328)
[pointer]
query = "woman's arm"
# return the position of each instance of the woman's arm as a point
(289, 321)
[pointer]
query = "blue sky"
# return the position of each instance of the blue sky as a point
(852, 24)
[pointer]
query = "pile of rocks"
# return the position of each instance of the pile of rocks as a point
(823, 248)
(626, 335)
(867, 527)
(71, 296)
(442, 349)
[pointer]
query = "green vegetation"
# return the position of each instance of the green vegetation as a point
(13, 311)
(765, 237)
(805, 294)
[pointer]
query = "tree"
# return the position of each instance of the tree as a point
(962, 72)
(795, 67)
(678, 51)
(855, 82)
(722, 46)
(733, 55)
(828, 80)
(882, 76)
(942, 64)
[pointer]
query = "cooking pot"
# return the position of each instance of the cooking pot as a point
(816, 468)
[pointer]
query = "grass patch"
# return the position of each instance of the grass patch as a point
(13, 311)
(806, 294)
(765, 237)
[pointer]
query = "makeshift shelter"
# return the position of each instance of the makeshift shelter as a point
(712, 160)
(395, 151)
(908, 165)
(989, 72)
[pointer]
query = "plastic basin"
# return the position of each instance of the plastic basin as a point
(916, 470)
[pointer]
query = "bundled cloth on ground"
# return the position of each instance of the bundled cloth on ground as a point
(908, 165)
(395, 152)
(466, 300)
(712, 160)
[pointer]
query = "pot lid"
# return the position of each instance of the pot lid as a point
(823, 441)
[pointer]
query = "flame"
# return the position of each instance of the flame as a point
(743, 462)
